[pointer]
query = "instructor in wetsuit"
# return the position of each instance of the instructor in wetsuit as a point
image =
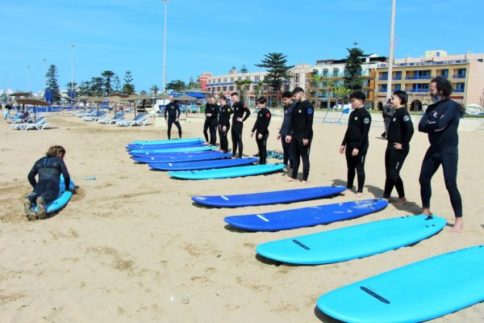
(172, 115)
(48, 169)
(211, 120)
(440, 121)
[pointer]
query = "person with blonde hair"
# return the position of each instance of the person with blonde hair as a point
(46, 189)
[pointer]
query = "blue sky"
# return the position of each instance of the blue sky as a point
(214, 35)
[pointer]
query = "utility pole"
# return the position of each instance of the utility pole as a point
(165, 3)
(392, 49)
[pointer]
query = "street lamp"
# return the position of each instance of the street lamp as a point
(392, 48)
(165, 3)
(72, 74)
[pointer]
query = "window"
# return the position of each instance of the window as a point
(257, 78)
(383, 76)
(397, 87)
(239, 78)
(225, 80)
(325, 72)
(444, 73)
(219, 80)
(296, 78)
(335, 72)
(231, 79)
(398, 75)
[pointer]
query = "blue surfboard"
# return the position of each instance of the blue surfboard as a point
(266, 198)
(417, 292)
(61, 201)
(352, 242)
(183, 157)
(165, 141)
(151, 152)
(207, 164)
(306, 217)
(231, 172)
(165, 146)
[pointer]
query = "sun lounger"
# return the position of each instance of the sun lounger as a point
(119, 116)
(139, 120)
(40, 124)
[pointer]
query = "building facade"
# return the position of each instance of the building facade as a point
(413, 75)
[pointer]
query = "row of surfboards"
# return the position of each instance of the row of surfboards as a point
(192, 158)
(417, 292)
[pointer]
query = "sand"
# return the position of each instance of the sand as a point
(131, 247)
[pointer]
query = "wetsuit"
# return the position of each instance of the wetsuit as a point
(356, 136)
(211, 123)
(400, 130)
(242, 112)
(300, 127)
(224, 120)
(261, 127)
(172, 113)
(441, 121)
(283, 132)
(49, 170)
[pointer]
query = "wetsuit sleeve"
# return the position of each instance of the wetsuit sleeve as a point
(290, 123)
(178, 111)
(365, 129)
(264, 123)
(65, 173)
(449, 114)
(165, 113)
(247, 113)
(207, 109)
(407, 127)
(32, 174)
(345, 138)
(309, 121)
(422, 125)
(256, 124)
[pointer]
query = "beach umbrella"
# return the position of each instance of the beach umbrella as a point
(33, 101)
(20, 94)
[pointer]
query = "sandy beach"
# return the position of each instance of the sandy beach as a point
(131, 246)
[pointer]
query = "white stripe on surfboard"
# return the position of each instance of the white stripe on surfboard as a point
(263, 218)
(224, 197)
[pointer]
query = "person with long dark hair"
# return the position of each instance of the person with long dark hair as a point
(399, 133)
(441, 121)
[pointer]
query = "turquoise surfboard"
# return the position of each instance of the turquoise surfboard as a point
(228, 172)
(416, 292)
(352, 242)
(61, 200)
(150, 152)
(165, 141)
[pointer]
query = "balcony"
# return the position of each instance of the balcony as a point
(418, 77)
(459, 76)
(417, 90)
(459, 90)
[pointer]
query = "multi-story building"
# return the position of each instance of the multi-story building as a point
(413, 75)
(203, 80)
(227, 83)
(334, 70)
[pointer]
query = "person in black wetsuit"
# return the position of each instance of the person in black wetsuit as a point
(48, 169)
(355, 143)
(399, 133)
(284, 131)
(241, 113)
(172, 115)
(300, 133)
(261, 129)
(211, 114)
(441, 121)
(224, 123)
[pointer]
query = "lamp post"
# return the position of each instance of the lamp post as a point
(392, 48)
(72, 75)
(165, 4)
(28, 79)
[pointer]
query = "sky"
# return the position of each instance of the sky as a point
(214, 35)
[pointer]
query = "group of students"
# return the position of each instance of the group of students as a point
(295, 133)
(440, 121)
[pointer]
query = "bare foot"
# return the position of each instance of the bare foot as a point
(359, 195)
(347, 191)
(292, 180)
(304, 182)
(458, 225)
(426, 211)
(400, 202)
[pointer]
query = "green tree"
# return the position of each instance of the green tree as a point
(116, 84)
(52, 84)
(128, 87)
(72, 90)
(154, 90)
(192, 84)
(243, 86)
(277, 70)
(176, 85)
(84, 88)
(353, 69)
(108, 75)
(96, 86)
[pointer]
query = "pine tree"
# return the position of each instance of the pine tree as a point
(116, 83)
(154, 90)
(96, 86)
(52, 85)
(128, 87)
(244, 69)
(108, 75)
(278, 71)
(353, 69)
(176, 85)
